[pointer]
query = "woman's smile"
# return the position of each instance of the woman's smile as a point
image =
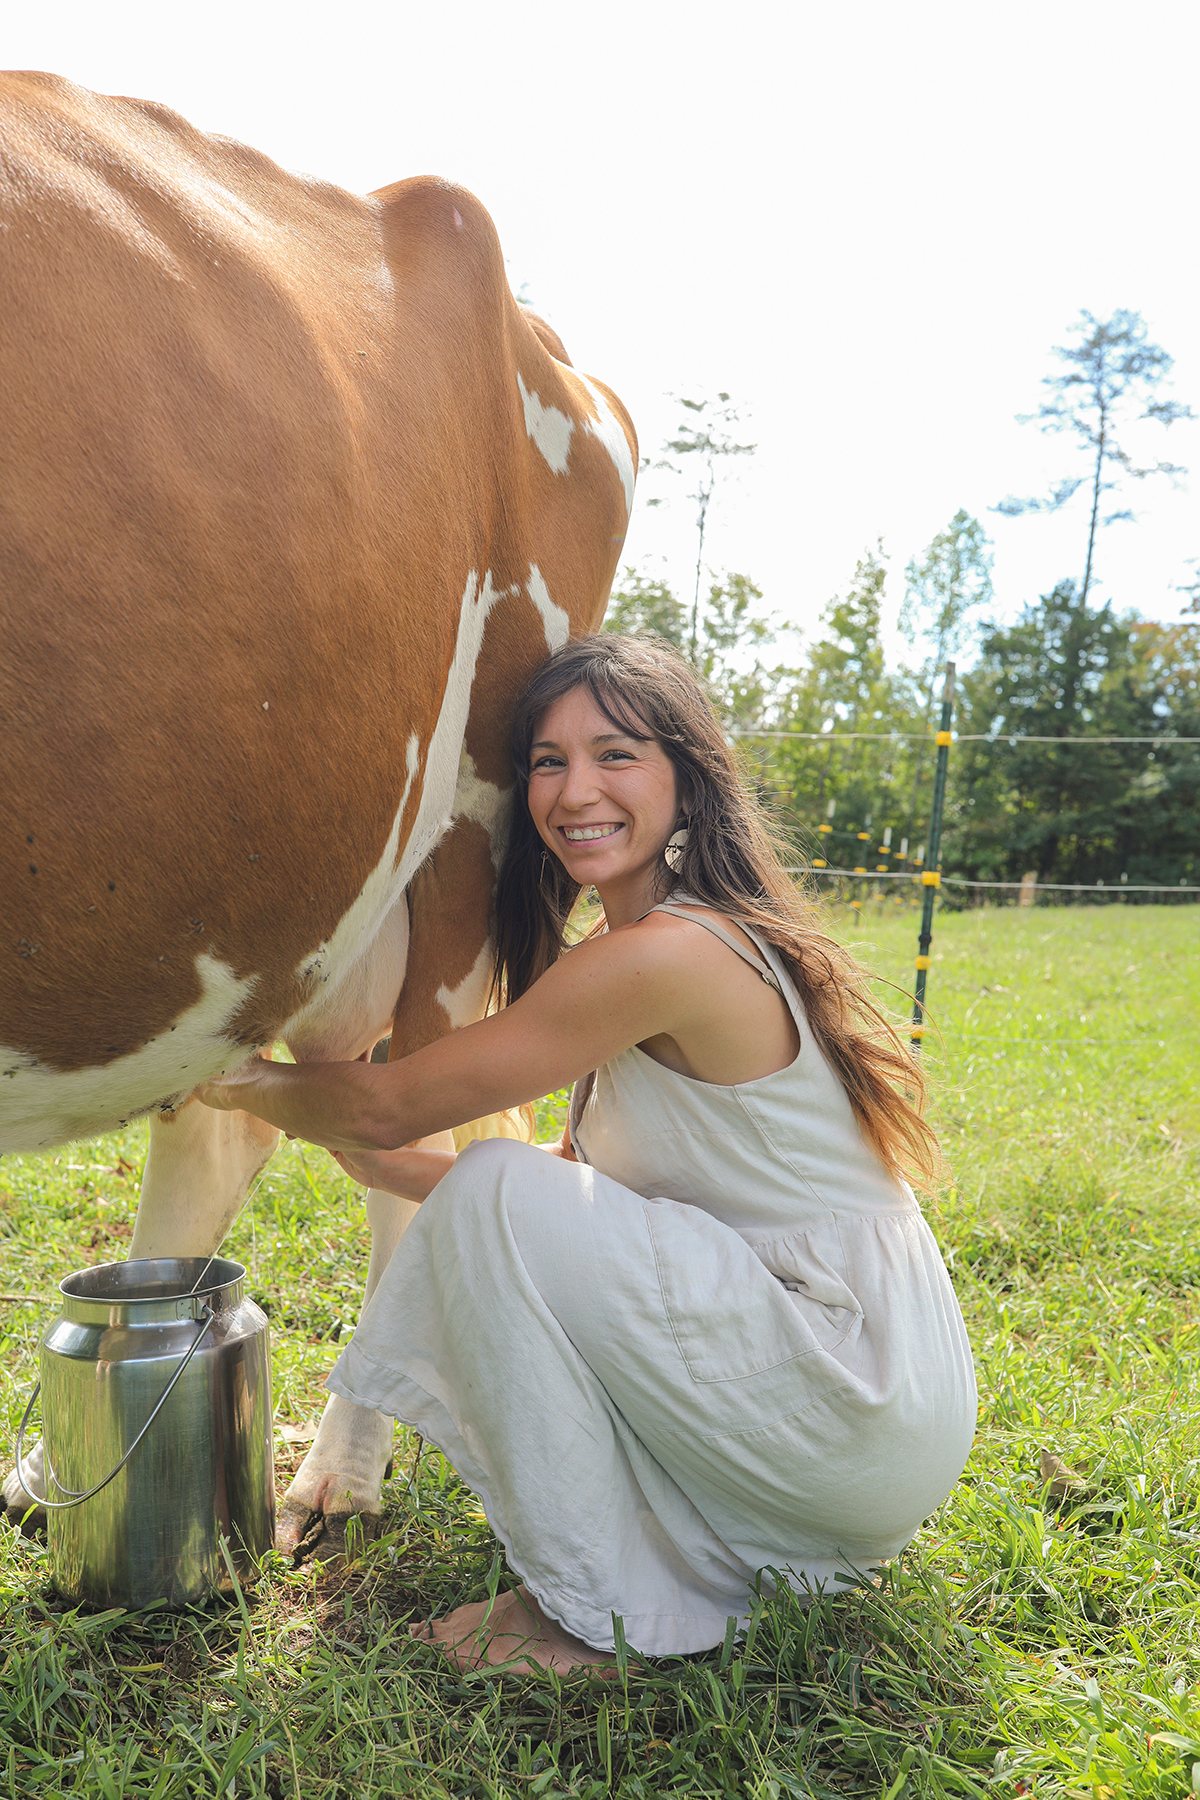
(588, 834)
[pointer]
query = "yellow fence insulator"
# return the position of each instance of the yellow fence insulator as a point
(944, 740)
(931, 878)
(924, 962)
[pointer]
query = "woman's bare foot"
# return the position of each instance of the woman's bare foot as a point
(515, 1631)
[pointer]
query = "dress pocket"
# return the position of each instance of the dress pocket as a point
(730, 1316)
(806, 1263)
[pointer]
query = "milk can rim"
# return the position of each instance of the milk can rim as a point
(220, 1276)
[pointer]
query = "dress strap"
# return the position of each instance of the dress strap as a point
(748, 956)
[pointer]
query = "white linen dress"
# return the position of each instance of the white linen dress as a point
(724, 1340)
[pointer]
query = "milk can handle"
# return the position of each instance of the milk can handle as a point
(78, 1499)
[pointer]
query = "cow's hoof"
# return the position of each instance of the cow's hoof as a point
(300, 1532)
(346, 1535)
(25, 1510)
(340, 1478)
(298, 1529)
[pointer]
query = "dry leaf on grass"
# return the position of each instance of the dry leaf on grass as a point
(1060, 1482)
(299, 1434)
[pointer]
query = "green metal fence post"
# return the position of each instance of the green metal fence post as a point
(931, 874)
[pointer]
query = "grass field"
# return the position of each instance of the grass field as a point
(1039, 1637)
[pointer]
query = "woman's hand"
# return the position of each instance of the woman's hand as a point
(564, 1148)
(235, 1092)
(341, 1106)
(412, 1173)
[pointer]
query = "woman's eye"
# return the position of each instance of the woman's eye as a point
(546, 762)
(617, 756)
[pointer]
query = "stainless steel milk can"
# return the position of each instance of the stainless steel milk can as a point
(157, 1431)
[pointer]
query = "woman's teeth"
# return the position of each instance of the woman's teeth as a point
(586, 833)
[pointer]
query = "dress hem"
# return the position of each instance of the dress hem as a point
(639, 1630)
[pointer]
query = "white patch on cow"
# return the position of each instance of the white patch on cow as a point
(464, 1004)
(412, 762)
(442, 765)
(354, 1007)
(360, 971)
(311, 970)
(41, 1106)
(484, 802)
(606, 428)
(550, 429)
(555, 622)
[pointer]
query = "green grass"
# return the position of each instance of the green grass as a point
(1030, 1641)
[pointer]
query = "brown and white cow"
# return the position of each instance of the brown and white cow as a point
(292, 497)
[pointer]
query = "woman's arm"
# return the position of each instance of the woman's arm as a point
(597, 1001)
(413, 1173)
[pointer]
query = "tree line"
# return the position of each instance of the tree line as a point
(1066, 668)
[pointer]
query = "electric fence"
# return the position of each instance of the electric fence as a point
(932, 876)
(924, 863)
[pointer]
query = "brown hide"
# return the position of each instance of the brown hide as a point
(257, 433)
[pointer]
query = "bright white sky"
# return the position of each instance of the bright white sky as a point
(867, 222)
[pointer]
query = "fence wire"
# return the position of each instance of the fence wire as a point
(1098, 888)
(1002, 740)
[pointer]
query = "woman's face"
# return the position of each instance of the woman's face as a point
(603, 801)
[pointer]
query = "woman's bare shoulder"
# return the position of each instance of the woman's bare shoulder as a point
(680, 926)
(668, 955)
(663, 954)
(731, 1027)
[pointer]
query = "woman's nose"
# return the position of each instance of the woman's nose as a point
(579, 787)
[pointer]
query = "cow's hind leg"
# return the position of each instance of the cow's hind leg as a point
(199, 1168)
(344, 1469)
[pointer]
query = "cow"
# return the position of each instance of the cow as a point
(293, 496)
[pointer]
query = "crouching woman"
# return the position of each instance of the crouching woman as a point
(711, 1331)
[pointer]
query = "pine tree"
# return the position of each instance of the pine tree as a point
(1110, 381)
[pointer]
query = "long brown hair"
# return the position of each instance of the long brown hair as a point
(730, 861)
